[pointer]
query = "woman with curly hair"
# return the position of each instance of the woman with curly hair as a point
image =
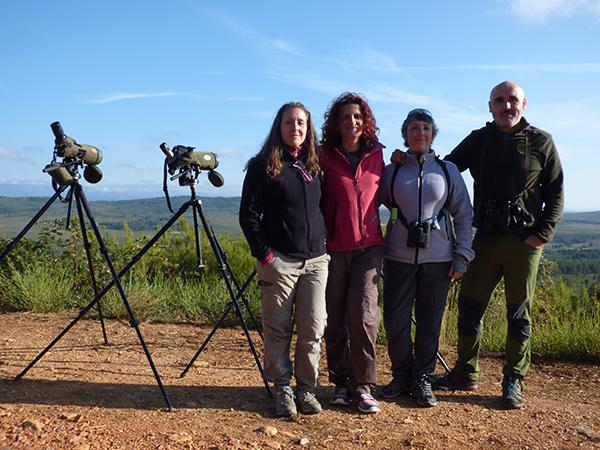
(282, 222)
(352, 161)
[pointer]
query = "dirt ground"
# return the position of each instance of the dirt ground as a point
(86, 395)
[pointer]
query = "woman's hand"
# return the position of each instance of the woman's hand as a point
(455, 274)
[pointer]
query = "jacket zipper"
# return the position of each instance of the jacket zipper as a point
(420, 205)
(355, 183)
(306, 218)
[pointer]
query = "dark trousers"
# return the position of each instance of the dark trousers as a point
(426, 287)
(353, 318)
(496, 257)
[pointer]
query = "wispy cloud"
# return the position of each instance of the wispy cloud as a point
(566, 68)
(254, 36)
(230, 152)
(541, 10)
(131, 96)
(13, 156)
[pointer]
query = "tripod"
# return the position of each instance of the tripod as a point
(76, 192)
(189, 178)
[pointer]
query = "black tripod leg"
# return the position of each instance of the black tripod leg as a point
(245, 301)
(197, 240)
(217, 325)
(132, 320)
(242, 289)
(87, 247)
(207, 340)
(32, 222)
(234, 300)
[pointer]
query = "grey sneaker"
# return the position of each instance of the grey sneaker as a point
(423, 394)
(395, 389)
(512, 393)
(284, 401)
(340, 397)
(307, 401)
(453, 382)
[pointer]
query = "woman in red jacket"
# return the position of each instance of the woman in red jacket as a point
(352, 161)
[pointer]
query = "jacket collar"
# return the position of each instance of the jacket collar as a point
(521, 126)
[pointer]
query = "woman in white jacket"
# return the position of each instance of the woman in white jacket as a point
(424, 250)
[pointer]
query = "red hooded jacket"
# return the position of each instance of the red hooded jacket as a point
(349, 200)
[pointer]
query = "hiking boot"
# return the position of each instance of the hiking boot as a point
(395, 389)
(284, 401)
(307, 401)
(366, 404)
(453, 382)
(512, 393)
(422, 392)
(340, 397)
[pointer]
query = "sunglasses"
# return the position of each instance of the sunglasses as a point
(419, 112)
(306, 175)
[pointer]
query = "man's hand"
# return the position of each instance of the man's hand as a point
(534, 241)
(398, 157)
(455, 274)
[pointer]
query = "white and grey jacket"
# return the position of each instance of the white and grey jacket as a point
(420, 192)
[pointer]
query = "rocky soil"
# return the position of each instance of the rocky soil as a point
(86, 395)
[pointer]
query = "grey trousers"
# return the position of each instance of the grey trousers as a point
(353, 318)
(293, 290)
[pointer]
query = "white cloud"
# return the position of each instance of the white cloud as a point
(255, 36)
(566, 68)
(13, 156)
(132, 95)
(541, 10)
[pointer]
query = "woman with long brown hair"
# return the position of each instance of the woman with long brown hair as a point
(282, 222)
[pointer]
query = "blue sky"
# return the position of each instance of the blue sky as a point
(128, 75)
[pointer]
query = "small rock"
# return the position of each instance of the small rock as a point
(588, 432)
(408, 421)
(82, 447)
(74, 417)
(269, 430)
(181, 438)
(32, 424)
(303, 441)
(273, 444)
(287, 434)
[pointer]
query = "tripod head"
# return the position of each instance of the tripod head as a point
(185, 165)
(188, 164)
(74, 156)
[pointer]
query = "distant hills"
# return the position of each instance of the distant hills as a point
(143, 215)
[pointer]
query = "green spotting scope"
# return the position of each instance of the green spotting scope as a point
(72, 154)
(183, 158)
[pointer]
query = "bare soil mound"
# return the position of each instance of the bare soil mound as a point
(86, 395)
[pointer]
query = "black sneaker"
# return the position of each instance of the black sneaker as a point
(512, 393)
(395, 389)
(423, 394)
(453, 382)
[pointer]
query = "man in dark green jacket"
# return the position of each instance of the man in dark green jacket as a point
(518, 200)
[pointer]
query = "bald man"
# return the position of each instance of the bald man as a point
(518, 200)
